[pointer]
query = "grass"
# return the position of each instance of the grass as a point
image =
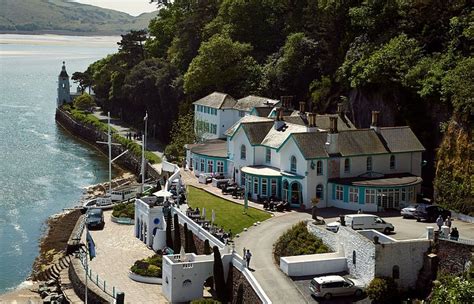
(229, 215)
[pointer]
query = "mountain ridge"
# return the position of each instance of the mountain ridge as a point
(65, 17)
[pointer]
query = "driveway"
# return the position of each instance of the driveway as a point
(260, 239)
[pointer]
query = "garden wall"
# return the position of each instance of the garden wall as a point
(77, 276)
(453, 256)
(91, 135)
(239, 289)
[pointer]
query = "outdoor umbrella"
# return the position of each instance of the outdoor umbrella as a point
(163, 193)
(204, 212)
(213, 216)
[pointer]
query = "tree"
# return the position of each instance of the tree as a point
(451, 290)
(84, 102)
(218, 271)
(207, 247)
(177, 234)
(191, 244)
(186, 238)
(223, 65)
(383, 290)
(84, 80)
(131, 47)
(169, 238)
(182, 132)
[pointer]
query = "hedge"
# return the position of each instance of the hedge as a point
(149, 267)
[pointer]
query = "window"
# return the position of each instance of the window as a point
(210, 166)
(353, 195)
(202, 165)
(392, 162)
(370, 196)
(339, 192)
(255, 185)
(411, 194)
(293, 164)
(369, 164)
(396, 272)
(319, 168)
(347, 166)
(243, 152)
(319, 191)
(220, 166)
(273, 187)
(264, 187)
(268, 155)
(242, 179)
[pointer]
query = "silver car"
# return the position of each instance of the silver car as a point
(334, 285)
(408, 212)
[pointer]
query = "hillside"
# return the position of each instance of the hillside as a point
(66, 17)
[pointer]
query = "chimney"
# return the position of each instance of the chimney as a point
(286, 102)
(331, 142)
(340, 109)
(311, 123)
(278, 119)
(375, 121)
(302, 104)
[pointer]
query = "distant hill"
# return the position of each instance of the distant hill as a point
(67, 18)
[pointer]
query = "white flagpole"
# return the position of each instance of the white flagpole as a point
(87, 264)
(143, 163)
(110, 154)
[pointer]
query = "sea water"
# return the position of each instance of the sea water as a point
(42, 168)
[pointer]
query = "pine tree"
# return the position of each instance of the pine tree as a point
(177, 235)
(169, 239)
(218, 271)
(186, 237)
(207, 247)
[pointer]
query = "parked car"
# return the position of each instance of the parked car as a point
(95, 218)
(333, 226)
(368, 221)
(409, 212)
(430, 213)
(334, 285)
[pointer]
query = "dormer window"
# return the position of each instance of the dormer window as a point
(293, 164)
(319, 168)
(369, 164)
(392, 162)
(347, 165)
(243, 152)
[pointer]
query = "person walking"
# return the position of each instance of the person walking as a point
(448, 222)
(243, 255)
(439, 222)
(454, 234)
(248, 256)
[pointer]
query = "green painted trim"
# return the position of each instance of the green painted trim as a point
(376, 188)
(284, 142)
(207, 156)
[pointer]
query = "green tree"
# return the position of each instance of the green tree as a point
(223, 65)
(452, 290)
(177, 234)
(218, 272)
(383, 290)
(182, 132)
(186, 238)
(131, 47)
(84, 80)
(169, 238)
(84, 102)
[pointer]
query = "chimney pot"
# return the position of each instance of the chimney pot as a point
(302, 105)
(375, 119)
(333, 124)
(340, 109)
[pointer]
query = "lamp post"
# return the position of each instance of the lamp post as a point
(143, 151)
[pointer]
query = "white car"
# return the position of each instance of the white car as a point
(408, 212)
(333, 226)
(334, 285)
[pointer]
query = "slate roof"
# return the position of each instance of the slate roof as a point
(322, 121)
(245, 119)
(400, 139)
(263, 111)
(213, 147)
(251, 101)
(311, 144)
(275, 138)
(256, 131)
(217, 100)
(360, 142)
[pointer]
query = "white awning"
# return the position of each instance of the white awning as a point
(261, 171)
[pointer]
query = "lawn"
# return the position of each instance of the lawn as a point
(228, 214)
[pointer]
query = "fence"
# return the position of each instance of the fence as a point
(459, 240)
(95, 279)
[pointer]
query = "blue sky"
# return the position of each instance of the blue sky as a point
(133, 7)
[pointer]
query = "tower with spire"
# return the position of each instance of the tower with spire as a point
(64, 95)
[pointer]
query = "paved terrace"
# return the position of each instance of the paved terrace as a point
(116, 251)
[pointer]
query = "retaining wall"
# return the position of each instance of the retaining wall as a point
(91, 135)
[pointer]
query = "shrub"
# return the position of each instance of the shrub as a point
(298, 241)
(149, 267)
(452, 290)
(124, 210)
(218, 272)
(383, 290)
(177, 235)
(205, 301)
(84, 102)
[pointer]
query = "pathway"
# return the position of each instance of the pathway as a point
(260, 239)
(116, 251)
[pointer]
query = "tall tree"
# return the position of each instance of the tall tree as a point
(218, 271)
(177, 234)
(131, 47)
(169, 238)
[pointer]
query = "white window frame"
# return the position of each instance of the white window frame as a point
(293, 164)
(347, 169)
(319, 168)
(255, 185)
(243, 152)
(339, 193)
(210, 166)
(369, 164)
(393, 162)
(273, 187)
(370, 196)
(268, 155)
(353, 195)
(220, 166)
(264, 187)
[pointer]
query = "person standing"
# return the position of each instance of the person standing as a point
(448, 222)
(439, 222)
(243, 255)
(248, 256)
(454, 234)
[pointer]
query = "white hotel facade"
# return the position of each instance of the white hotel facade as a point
(297, 156)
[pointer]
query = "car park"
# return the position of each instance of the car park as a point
(335, 285)
(430, 213)
(409, 211)
(95, 218)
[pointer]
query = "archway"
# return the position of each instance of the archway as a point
(295, 194)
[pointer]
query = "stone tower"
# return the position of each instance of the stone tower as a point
(64, 96)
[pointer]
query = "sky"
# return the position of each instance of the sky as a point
(133, 7)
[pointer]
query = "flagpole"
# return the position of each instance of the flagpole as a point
(110, 153)
(87, 265)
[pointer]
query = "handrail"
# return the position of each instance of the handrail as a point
(458, 240)
(101, 284)
(238, 262)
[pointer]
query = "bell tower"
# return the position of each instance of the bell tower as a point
(64, 96)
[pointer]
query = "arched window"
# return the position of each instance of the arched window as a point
(369, 164)
(347, 165)
(396, 272)
(319, 191)
(392, 162)
(319, 168)
(243, 152)
(293, 164)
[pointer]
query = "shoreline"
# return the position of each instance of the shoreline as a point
(63, 33)
(52, 244)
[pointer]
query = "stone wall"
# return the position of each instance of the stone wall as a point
(77, 276)
(453, 256)
(91, 135)
(328, 237)
(198, 243)
(239, 289)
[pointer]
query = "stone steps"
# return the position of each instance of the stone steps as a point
(52, 273)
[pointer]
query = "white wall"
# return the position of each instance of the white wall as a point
(237, 141)
(313, 264)
(208, 118)
(313, 179)
(226, 120)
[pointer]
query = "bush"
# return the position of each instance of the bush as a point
(149, 267)
(124, 210)
(298, 241)
(452, 290)
(383, 290)
(205, 301)
(85, 102)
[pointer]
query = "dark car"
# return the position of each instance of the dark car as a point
(430, 213)
(95, 218)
